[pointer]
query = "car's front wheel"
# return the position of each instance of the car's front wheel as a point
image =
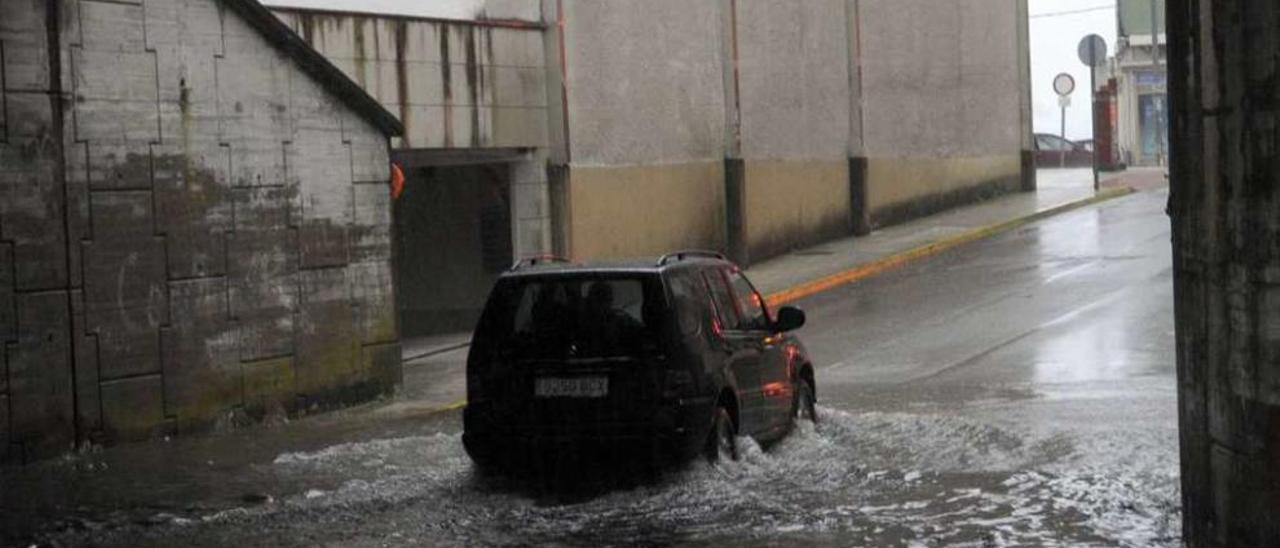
(722, 440)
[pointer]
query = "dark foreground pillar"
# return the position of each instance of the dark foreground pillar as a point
(1224, 81)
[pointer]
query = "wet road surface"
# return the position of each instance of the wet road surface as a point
(1016, 391)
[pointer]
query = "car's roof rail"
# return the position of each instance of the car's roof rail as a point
(686, 253)
(535, 260)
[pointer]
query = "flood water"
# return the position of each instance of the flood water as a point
(854, 479)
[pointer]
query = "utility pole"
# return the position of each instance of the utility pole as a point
(1093, 110)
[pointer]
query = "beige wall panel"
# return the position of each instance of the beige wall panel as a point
(899, 181)
(646, 210)
(790, 204)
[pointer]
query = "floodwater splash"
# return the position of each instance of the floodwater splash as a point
(853, 479)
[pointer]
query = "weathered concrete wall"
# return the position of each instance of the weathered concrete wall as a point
(901, 189)
(645, 105)
(838, 114)
(645, 210)
(941, 82)
(228, 222)
(476, 84)
(37, 404)
(453, 84)
(793, 101)
(790, 204)
(1224, 195)
(832, 115)
(644, 82)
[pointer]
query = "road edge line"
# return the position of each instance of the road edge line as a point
(883, 264)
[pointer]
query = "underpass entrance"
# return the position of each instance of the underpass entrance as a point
(454, 236)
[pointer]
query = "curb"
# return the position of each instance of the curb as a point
(890, 262)
(409, 410)
(435, 351)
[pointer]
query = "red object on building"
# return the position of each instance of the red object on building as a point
(397, 181)
(1105, 120)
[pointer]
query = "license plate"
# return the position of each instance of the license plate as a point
(576, 387)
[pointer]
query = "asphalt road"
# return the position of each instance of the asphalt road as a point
(1019, 390)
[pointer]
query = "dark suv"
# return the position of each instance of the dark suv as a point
(662, 359)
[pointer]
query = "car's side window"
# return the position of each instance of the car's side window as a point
(750, 304)
(691, 302)
(722, 298)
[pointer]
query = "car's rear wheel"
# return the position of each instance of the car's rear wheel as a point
(722, 442)
(804, 407)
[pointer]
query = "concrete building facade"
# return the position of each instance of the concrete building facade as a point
(473, 98)
(838, 116)
(195, 223)
(1139, 68)
(945, 104)
(751, 126)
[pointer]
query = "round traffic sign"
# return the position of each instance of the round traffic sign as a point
(1092, 51)
(1064, 84)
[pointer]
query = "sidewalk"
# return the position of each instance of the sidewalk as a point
(1137, 178)
(421, 347)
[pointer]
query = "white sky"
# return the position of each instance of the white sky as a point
(1053, 45)
(1053, 50)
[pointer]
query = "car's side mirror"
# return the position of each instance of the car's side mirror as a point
(790, 318)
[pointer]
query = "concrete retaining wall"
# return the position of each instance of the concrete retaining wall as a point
(645, 126)
(926, 101)
(793, 104)
(942, 94)
(645, 210)
(453, 84)
(791, 204)
(901, 189)
(195, 230)
(479, 84)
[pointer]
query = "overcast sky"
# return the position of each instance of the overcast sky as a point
(1056, 28)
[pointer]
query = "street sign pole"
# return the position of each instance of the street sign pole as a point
(1093, 53)
(1063, 85)
(1093, 112)
(1062, 154)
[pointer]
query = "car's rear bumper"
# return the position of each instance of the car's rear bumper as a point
(672, 435)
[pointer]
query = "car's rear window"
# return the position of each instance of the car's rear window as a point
(574, 316)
